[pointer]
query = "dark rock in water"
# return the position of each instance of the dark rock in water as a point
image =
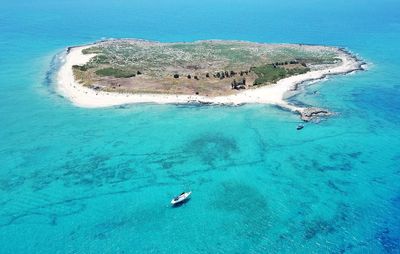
(138, 73)
(207, 75)
(196, 78)
(189, 76)
(176, 75)
(309, 114)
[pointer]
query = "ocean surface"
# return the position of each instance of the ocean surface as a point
(75, 180)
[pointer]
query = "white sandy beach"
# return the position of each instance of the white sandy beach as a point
(272, 94)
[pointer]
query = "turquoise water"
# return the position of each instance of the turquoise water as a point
(76, 180)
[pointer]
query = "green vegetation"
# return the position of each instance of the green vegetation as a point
(268, 73)
(117, 73)
(92, 50)
(296, 71)
(271, 73)
(80, 67)
(100, 59)
(93, 63)
(211, 55)
(213, 66)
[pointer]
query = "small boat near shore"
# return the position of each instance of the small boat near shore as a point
(181, 198)
(299, 127)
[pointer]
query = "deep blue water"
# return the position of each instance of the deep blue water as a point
(76, 180)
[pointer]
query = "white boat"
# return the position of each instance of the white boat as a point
(182, 197)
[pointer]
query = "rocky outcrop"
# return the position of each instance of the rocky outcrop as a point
(312, 113)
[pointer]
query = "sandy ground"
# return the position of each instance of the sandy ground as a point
(273, 94)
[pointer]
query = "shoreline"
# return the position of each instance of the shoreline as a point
(274, 94)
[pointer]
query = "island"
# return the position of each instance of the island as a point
(125, 71)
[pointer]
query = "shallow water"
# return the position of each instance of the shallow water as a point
(76, 180)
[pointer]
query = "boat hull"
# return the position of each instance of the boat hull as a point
(181, 198)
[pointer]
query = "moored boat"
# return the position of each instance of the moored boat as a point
(182, 197)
